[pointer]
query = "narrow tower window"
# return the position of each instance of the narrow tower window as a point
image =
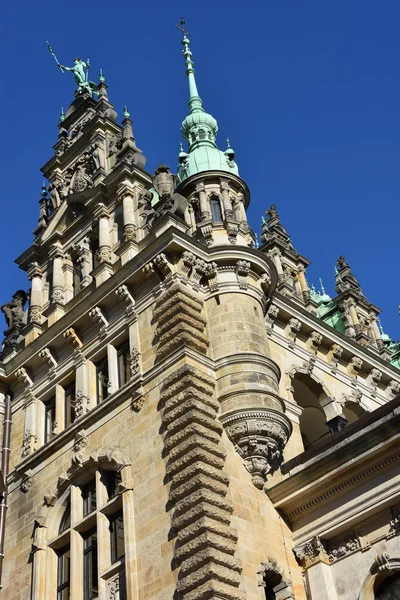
(216, 214)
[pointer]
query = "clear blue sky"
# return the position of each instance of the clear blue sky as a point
(307, 91)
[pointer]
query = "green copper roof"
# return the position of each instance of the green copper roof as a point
(200, 130)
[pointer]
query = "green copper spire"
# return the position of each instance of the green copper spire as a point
(127, 114)
(102, 79)
(62, 115)
(200, 129)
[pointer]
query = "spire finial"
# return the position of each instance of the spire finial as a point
(195, 102)
(102, 79)
(43, 193)
(126, 112)
(62, 115)
(321, 285)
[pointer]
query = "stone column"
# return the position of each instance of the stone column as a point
(130, 539)
(104, 270)
(84, 261)
(68, 269)
(82, 403)
(112, 369)
(353, 314)
(129, 218)
(205, 213)
(57, 294)
(34, 329)
(226, 201)
(303, 284)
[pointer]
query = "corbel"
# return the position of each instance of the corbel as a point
(124, 294)
(99, 319)
(242, 272)
(47, 357)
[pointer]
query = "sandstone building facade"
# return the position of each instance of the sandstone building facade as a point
(183, 416)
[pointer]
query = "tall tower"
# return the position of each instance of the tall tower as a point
(176, 400)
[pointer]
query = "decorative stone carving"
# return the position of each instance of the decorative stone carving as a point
(355, 366)
(80, 443)
(211, 273)
(99, 319)
(124, 294)
(104, 254)
(48, 359)
(309, 365)
(80, 404)
(29, 443)
(311, 552)
(27, 482)
(272, 314)
(199, 269)
(335, 352)
(137, 402)
(259, 437)
(232, 231)
(23, 377)
(188, 262)
(35, 315)
(72, 337)
(292, 329)
(314, 341)
(134, 362)
(161, 262)
(393, 389)
(343, 546)
(242, 271)
(130, 233)
(206, 232)
(15, 317)
(382, 562)
(374, 377)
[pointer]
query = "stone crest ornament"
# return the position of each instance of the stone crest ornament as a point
(259, 437)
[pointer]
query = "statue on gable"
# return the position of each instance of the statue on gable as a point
(16, 317)
(345, 279)
(81, 74)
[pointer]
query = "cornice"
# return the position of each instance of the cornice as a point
(301, 313)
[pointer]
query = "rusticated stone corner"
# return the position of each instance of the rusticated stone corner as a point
(259, 437)
(180, 322)
(205, 542)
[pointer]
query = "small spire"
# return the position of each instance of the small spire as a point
(102, 79)
(126, 112)
(380, 326)
(229, 152)
(321, 285)
(62, 115)
(43, 193)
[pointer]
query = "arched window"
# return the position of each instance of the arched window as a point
(90, 535)
(216, 214)
(307, 393)
(272, 579)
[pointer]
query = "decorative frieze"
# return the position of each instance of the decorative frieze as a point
(259, 437)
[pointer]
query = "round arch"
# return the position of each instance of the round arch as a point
(382, 568)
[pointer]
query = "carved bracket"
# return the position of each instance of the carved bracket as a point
(259, 437)
(99, 319)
